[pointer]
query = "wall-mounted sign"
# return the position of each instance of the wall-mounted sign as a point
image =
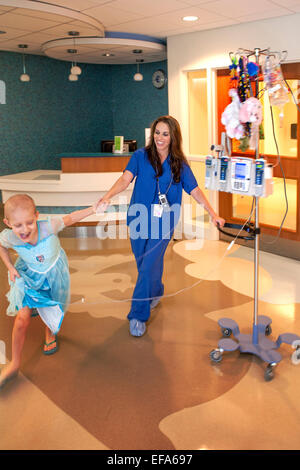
(2, 92)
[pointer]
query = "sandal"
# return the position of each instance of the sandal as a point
(52, 350)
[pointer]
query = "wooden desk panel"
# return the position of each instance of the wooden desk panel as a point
(94, 164)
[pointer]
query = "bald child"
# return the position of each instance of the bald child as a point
(39, 280)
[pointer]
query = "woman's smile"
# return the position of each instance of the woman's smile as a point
(162, 139)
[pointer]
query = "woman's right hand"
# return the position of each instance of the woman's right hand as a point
(101, 205)
(13, 273)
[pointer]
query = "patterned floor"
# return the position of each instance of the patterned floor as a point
(107, 390)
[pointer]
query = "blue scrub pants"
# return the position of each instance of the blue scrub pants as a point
(149, 256)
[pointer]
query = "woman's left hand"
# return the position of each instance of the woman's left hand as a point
(218, 221)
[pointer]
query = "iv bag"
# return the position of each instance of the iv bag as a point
(277, 91)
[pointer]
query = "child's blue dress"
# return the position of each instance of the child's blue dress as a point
(44, 281)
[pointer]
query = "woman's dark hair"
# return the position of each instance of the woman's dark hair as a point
(176, 152)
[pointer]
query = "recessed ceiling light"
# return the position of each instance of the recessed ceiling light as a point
(137, 51)
(190, 18)
(108, 54)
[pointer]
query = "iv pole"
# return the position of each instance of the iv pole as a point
(256, 343)
(256, 240)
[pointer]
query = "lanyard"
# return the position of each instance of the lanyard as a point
(157, 180)
(167, 188)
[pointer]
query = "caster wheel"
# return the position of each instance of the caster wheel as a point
(269, 373)
(226, 332)
(296, 356)
(215, 355)
(268, 330)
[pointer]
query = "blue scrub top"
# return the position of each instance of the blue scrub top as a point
(146, 190)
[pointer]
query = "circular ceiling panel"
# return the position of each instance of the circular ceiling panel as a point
(107, 50)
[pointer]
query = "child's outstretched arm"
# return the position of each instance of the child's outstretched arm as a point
(76, 216)
(4, 255)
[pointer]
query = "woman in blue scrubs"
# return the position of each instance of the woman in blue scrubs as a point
(161, 171)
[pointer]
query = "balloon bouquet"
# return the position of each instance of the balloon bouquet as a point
(242, 118)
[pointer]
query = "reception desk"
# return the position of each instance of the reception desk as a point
(82, 180)
(93, 162)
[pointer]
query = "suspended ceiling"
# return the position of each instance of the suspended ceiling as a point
(108, 31)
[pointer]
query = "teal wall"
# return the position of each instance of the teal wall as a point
(51, 115)
(135, 105)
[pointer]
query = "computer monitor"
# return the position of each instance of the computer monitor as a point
(107, 145)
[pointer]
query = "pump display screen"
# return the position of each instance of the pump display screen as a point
(240, 170)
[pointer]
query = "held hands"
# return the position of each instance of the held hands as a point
(13, 273)
(101, 206)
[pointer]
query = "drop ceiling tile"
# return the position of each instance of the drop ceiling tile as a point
(80, 26)
(287, 3)
(41, 14)
(236, 9)
(261, 16)
(36, 38)
(196, 2)
(144, 26)
(26, 23)
(204, 15)
(63, 29)
(202, 27)
(11, 33)
(78, 5)
(146, 8)
(169, 21)
(109, 16)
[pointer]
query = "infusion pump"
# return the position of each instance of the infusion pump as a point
(239, 175)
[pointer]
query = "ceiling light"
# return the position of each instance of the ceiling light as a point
(108, 54)
(73, 77)
(2, 32)
(24, 77)
(75, 69)
(137, 51)
(138, 77)
(190, 18)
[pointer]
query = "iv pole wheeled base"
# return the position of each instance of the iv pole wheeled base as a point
(255, 343)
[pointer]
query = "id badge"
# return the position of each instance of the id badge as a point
(157, 210)
(163, 199)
